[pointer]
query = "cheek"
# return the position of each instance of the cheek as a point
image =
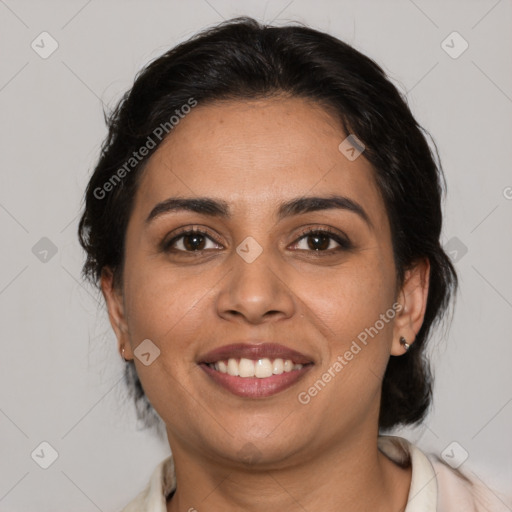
(162, 300)
(351, 300)
(164, 307)
(355, 308)
(359, 318)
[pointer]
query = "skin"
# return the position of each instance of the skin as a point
(323, 455)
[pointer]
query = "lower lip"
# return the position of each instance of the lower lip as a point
(254, 387)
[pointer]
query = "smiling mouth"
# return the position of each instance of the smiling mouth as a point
(261, 368)
(252, 370)
(256, 378)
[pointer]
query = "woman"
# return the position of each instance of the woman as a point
(264, 224)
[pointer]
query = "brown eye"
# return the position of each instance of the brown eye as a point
(321, 241)
(191, 241)
(194, 242)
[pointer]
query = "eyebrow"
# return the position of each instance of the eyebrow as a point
(298, 206)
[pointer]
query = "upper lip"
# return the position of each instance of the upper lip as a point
(254, 351)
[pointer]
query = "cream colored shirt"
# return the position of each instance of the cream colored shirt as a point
(435, 487)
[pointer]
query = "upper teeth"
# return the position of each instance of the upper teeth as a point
(261, 368)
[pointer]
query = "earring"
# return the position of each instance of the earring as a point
(404, 343)
(124, 358)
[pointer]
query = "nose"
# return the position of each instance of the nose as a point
(255, 292)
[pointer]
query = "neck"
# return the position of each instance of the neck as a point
(353, 475)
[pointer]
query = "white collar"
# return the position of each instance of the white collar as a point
(423, 490)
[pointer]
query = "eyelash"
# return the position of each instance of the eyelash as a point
(344, 243)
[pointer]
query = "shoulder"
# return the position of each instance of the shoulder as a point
(437, 487)
(463, 490)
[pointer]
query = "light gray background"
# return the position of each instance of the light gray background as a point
(60, 374)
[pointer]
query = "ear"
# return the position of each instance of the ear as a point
(116, 313)
(413, 301)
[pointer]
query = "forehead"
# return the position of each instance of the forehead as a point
(253, 153)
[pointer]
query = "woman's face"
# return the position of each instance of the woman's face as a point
(255, 278)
